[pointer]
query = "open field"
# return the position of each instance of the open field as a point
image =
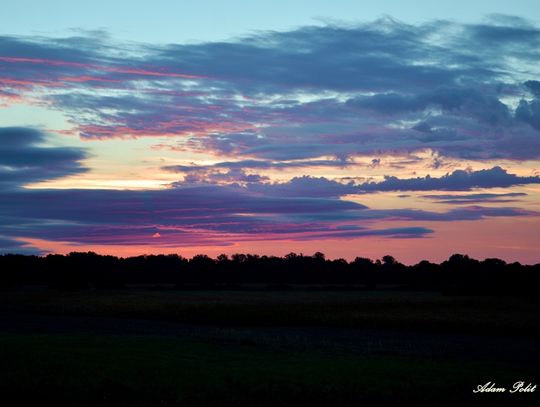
(138, 347)
(378, 309)
(150, 370)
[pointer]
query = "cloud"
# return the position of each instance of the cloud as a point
(533, 87)
(529, 112)
(463, 102)
(476, 198)
(260, 165)
(231, 176)
(396, 233)
(213, 215)
(8, 245)
(468, 213)
(24, 158)
(382, 87)
(183, 216)
(459, 180)
(305, 186)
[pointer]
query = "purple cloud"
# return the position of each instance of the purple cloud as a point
(459, 180)
(209, 215)
(476, 198)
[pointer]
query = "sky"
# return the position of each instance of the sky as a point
(355, 128)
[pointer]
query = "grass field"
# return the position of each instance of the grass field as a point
(133, 371)
(424, 311)
(94, 348)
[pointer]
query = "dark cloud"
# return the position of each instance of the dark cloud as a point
(8, 245)
(512, 34)
(182, 216)
(363, 57)
(193, 205)
(463, 102)
(459, 180)
(534, 87)
(24, 158)
(529, 112)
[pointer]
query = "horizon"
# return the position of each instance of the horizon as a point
(257, 256)
(353, 130)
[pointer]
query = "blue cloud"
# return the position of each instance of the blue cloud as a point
(23, 159)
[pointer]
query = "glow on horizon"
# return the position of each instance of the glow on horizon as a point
(447, 241)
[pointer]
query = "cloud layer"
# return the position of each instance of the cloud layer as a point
(210, 215)
(462, 90)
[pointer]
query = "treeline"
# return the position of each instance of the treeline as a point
(459, 274)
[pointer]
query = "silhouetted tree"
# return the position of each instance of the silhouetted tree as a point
(459, 274)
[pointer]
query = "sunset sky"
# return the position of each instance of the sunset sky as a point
(355, 128)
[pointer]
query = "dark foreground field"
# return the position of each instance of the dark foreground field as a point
(138, 347)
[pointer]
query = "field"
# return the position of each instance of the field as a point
(202, 348)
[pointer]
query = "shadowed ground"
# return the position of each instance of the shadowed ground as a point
(136, 347)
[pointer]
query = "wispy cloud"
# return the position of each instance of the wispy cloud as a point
(477, 198)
